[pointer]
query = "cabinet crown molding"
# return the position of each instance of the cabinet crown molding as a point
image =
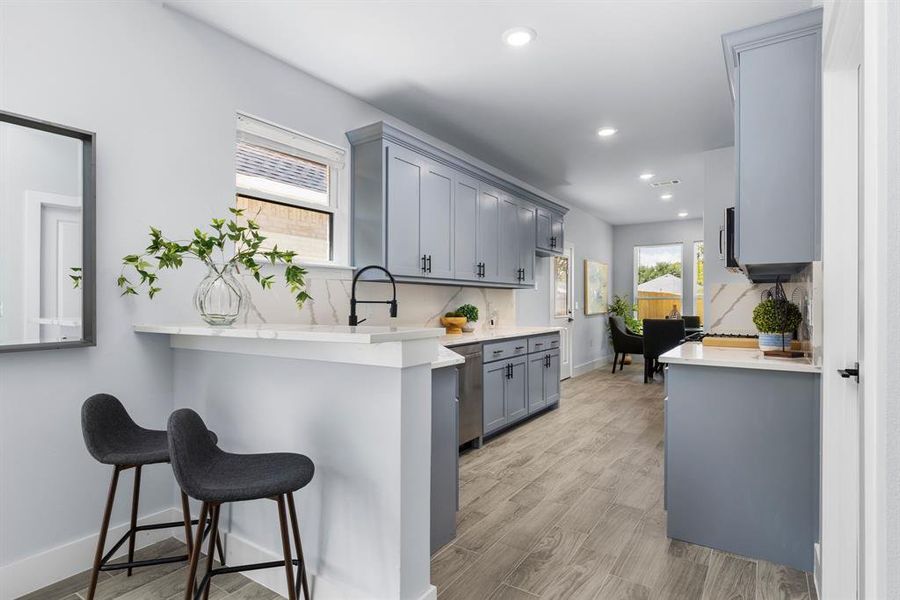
(382, 130)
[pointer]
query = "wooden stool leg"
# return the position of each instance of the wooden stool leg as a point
(135, 495)
(104, 526)
(195, 555)
(286, 546)
(301, 568)
(186, 515)
(213, 536)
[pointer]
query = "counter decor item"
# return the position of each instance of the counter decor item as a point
(777, 318)
(453, 322)
(221, 297)
(596, 287)
(470, 312)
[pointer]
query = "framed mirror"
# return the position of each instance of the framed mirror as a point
(47, 235)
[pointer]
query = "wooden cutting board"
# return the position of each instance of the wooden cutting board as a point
(731, 342)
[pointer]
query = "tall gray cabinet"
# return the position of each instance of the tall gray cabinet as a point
(775, 74)
(429, 216)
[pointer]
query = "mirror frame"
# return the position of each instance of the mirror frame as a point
(88, 232)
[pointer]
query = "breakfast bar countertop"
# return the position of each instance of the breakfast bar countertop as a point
(695, 353)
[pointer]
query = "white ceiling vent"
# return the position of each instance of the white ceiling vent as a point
(662, 184)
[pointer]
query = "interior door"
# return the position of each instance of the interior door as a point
(562, 284)
(843, 519)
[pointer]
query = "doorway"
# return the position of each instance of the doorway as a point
(562, 285)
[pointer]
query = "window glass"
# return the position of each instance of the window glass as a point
(305, 231)
(658, 281)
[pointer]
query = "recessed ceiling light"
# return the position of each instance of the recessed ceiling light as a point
(519, 36)
(682, 214)
(666, 197)
(646, 176)
(607, 131)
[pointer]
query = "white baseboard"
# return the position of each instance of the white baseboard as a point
(239, 551)
(40, 570)
(592, 365)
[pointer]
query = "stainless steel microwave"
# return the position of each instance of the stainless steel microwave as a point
(726, 242)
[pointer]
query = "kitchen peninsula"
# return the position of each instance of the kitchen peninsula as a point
(742, 452)
(356, 400)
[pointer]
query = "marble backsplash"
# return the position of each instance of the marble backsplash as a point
(418, 305)
(729, 307)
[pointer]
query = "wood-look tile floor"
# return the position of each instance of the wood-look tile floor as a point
(163, 582)
(569, 506)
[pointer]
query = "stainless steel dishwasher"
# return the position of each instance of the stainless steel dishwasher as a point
(471, 395)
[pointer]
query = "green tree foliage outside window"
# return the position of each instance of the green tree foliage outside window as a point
(648, 273)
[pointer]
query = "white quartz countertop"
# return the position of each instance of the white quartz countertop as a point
(490, 335)
(362, 334)
(447, 358)
(695, 353)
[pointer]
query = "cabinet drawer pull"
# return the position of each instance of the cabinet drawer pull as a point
(520, 347)
(538, 344)
(496, 352)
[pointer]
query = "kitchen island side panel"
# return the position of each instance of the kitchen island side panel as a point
(743, 461)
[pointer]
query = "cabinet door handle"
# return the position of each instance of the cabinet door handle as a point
(553, 242)
(429, 263)
(424, 263)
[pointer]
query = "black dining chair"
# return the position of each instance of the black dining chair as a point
(660, 336)
(691, 322)
(624, 341)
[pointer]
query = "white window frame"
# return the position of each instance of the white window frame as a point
(260, 132)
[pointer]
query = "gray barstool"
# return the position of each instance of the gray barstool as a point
(214, 477)
(113, 438)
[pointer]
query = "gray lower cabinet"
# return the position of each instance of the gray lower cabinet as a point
(543, 380)
(505, 393)
(775, 71)
(427, 215)
(742, 461)
(444, 455)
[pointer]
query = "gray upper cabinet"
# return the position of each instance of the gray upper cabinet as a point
(549, 239)
(465, 229)
(429, 216)
(436, 221)
(405, 187)
(775, 73)
(489, 234)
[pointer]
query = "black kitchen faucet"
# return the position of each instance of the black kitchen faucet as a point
(354, 320)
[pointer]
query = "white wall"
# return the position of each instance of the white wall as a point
(626, 237)
(591, 238)
(719, 194)
(161, 92)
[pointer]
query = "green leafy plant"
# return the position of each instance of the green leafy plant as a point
(776, 316)
(76, 276)
(453, 315)
(624, 308)
(209, 248)
(469, 311)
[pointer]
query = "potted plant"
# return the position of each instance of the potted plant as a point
(221, 296)
(470, 312)
(776, 320)
(453, 322)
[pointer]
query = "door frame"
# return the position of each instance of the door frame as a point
(567, 366)
(851, 558)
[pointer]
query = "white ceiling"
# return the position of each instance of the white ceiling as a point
(653, 69)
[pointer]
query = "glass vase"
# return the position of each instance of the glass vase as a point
(221, 298)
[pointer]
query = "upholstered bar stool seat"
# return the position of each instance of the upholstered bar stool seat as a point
(113, 438)
(207, 473)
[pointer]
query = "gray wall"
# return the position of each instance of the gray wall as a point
(591, 238)
(161, 91)
(626, 237)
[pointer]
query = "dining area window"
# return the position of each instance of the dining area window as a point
(658, 280)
